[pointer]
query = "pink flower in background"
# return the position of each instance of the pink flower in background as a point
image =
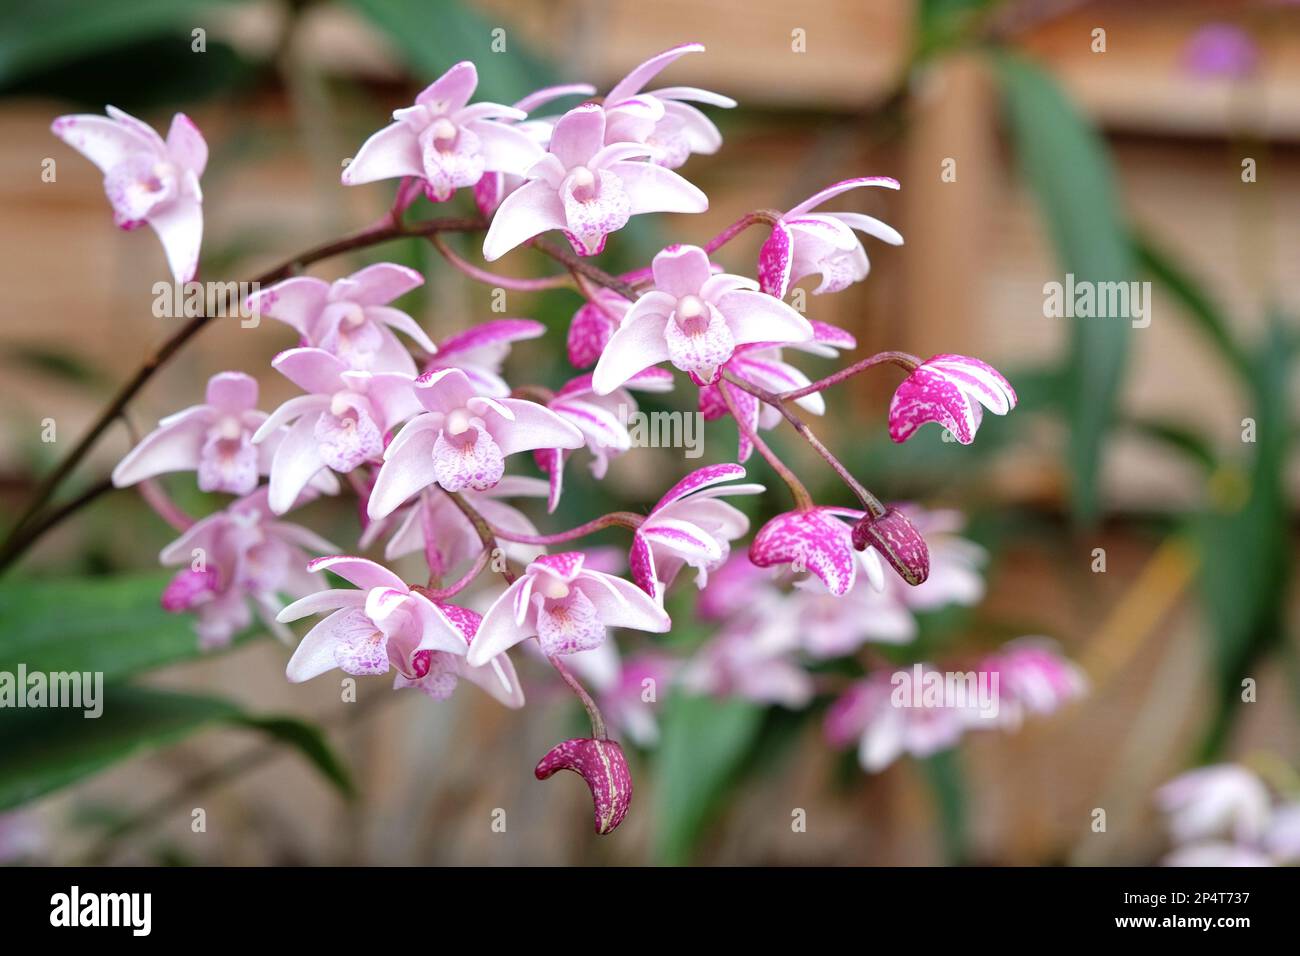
(1033, 678)
(148, 180)
(689, 526)
(385, 625)
(604, 768)
(754, 657)
(214, 439)
(496, 186)
(1215, 801)
(339, 424)
(593, 325)
(602, 419)
(1221, 50)
(480, 351)
(883, 731)
(444, 141)
(567, 607)
(662, 118)
(805, 243)
(955, 562)
(950, 390)
(817, 541)
(831, 625)
(351, 317)
(461, 440)
(433, 524)
(695, 319)
(240, 554)
(587, 189)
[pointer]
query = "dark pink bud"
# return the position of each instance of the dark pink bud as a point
(189, 589)
(601, 763)
(897, 541)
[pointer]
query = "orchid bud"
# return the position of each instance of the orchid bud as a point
(897, 541)
(601, 763)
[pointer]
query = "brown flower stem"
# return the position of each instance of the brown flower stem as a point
(385, 230)
(802, 499)
(903, 360)
(615, 519)
(869, 501)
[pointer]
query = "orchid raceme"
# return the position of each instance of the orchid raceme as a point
(383, 625)
(420, 427)
(148, 179)
(689, 527)
(587, 189)
(567, 607)
(461, 440)
(695, 319)
(444, 141)
(351, 317)
(805, 243)
(952, 390)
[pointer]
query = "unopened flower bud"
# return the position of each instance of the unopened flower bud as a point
(897, 541)
(601, 763)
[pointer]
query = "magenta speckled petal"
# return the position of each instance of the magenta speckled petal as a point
(816, 539)
(952, 390)
(602, 765)
(641, 563)
(774, 261)
(897, 541)
(700, 478)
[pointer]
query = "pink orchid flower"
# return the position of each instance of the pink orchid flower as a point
(832, 626)
(339, 424)
(950, 390)
(385, 625)
(481, 350)
(764, 365)
(689, 526)
(805, 243)
(695, 319)
(593, 325)
(1033, 678)
(566, 607)
(444, 141)
(1222, 800)
(214, 439)
(602, 419)
(351, 317)
(885, 732)
(240, 554)
(753, 657)
(148, 180)
(496, 186)
(432, 524)
(461, 440)
(663, 118)
(817, 541)
(587, 189)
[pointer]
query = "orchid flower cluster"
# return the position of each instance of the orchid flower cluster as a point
(422, 431)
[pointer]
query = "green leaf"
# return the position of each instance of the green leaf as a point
(1195, 301)
(43, 34)
(45, 749)
(943, 770)
(1069, 171)
(434, 36)
(114, 625)
(704, 743)
(1245, 558)
(1178, 437)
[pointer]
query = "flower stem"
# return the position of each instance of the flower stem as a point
(615, 519)
(768, 216)
(593, 712)
(903, 360)
(491, 278)
(802, 499)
